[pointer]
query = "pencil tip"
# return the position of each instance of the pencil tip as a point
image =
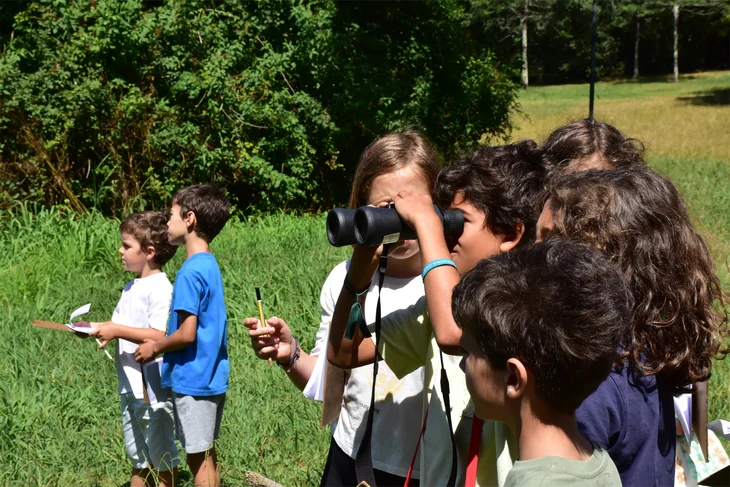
(258, 294)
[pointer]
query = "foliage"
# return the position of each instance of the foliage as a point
(116, 104)
(559, 35)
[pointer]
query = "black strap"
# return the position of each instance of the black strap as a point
(364, 459)
(445, 390)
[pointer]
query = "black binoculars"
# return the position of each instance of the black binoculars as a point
(371, 226)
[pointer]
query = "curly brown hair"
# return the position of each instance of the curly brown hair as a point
(149, 228)
(638, 219)
(589, 144)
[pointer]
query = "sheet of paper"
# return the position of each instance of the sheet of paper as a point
(153, 377)
(78, 312)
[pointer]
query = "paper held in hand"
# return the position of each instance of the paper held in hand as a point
(70, 326)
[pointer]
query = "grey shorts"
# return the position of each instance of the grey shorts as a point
(198, 420)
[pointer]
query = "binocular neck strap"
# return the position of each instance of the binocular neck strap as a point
(364, 459)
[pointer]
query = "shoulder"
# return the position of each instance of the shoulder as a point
(335, 278)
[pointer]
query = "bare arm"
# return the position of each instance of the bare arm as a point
(109, 331)
(342, 352)
(417, 210)
(181, 338)
(276, 342)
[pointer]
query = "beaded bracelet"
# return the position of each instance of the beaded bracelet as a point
(289, 366)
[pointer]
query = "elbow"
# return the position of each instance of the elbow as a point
(335, 359)
(449, 342)
(188, 338)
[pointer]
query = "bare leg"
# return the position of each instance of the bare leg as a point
(167, 479)
(204, 468)
(141, 477)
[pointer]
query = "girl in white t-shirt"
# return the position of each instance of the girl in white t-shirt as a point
(392, 163)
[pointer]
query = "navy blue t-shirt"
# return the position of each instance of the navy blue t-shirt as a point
(201, 368)
(632, 417)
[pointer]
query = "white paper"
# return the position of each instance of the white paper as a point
(152, 371)
(720, 427)
(315, 386)
(683, 410)
(78, 312)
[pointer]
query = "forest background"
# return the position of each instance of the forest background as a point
(113, 104)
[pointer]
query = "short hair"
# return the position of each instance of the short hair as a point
(584, 138)
(638, 218)
(210, 206)
(390, 153)
(504, 182)
(558, 306)
(149, 228)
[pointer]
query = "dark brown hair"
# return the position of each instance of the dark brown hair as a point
(557, 306)
(568, 146)
(149, 228)
(503, 182)
(389, 154)
(210, 206)
(639, 220)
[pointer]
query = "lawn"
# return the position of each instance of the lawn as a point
(59, 418)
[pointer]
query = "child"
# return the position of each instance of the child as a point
(403, 161)
(497, 189)
(141, 315)
(541, 326)
(638, 219)
(195, 361)
(589, 144)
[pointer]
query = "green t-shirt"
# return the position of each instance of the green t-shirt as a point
(597, 471)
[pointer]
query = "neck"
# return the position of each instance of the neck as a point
(404, 268)
(149, 270)
(551, 434)
(195, 245)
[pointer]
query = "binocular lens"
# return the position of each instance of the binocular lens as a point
(341, 227)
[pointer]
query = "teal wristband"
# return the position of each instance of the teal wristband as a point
(436, 263)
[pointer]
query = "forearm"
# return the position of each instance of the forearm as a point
(137, 335)
(343, 352)
(172, 343)
(439, 284)
(301, 371)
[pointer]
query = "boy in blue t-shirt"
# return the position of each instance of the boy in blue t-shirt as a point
(195, 361)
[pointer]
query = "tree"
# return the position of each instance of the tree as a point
(117, 103)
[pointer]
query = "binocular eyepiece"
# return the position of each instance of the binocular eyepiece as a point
(372, 226)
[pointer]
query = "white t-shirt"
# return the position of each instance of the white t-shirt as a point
(145, 303)
(397, 419)
(408, 343)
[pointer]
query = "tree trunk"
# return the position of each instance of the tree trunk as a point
(636, 46)
(675, 11)
(523, 24)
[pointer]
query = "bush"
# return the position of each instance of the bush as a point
(115, 104)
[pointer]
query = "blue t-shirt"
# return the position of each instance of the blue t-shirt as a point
(201, 368)
(632, 417)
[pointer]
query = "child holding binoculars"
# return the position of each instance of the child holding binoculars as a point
(395, 162)
(496, 189)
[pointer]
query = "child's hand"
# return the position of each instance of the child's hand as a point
(416, 209)
(275, 341)
(83, 323)
(105, 332)
(146, 351)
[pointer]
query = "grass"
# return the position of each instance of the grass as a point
(59, 411)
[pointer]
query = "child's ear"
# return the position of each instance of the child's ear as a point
(511, 242)
(516, 379)
(190, 220)
(150, 251)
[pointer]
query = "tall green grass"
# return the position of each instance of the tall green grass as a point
(59, 410)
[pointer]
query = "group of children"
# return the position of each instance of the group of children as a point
(543, 346)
